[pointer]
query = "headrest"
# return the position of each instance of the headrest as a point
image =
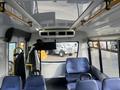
(111, 84)
(86, 85)
(11, 83)
(35, 79)
(35, 83)
(77, 65)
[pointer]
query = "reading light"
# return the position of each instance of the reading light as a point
(37, 29)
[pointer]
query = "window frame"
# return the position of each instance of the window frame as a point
(104, 49)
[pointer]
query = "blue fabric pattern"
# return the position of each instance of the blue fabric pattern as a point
(77, 65)
(111, 84)
(35, 83)
(86, 85)
(11, 83)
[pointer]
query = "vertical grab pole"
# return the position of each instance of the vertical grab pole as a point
(100, 57)
(89, 53)
(40, 62)
(118, 45)
(26, 50)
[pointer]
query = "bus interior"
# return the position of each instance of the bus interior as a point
(59, 44)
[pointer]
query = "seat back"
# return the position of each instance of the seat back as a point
(77, 65)
(86, 85)
(35, 82)
(11, 83)
(111, 84)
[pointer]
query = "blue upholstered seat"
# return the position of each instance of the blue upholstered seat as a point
(72, 77)
(71, 86)
(11, 83)
(35, 83)
(86, 85)
(111, 84)
(75, 66)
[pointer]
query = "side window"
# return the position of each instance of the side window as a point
(95, 54)
(11, 47)
(110, 63)
(110, 59)
(103, 45)
(95, 58)
(112, 45)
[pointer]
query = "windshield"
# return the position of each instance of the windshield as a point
(63, 50)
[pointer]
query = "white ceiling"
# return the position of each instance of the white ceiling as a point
(106, 24)
(62, 9)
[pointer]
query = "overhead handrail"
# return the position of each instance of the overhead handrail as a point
(113, 3)
(88, 10)
(16, 17)
(81, 21)
(17, 7)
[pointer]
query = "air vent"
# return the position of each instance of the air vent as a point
(56, 33)
(44, 33)
(61, 33)
(52, 33)
(70, 33)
